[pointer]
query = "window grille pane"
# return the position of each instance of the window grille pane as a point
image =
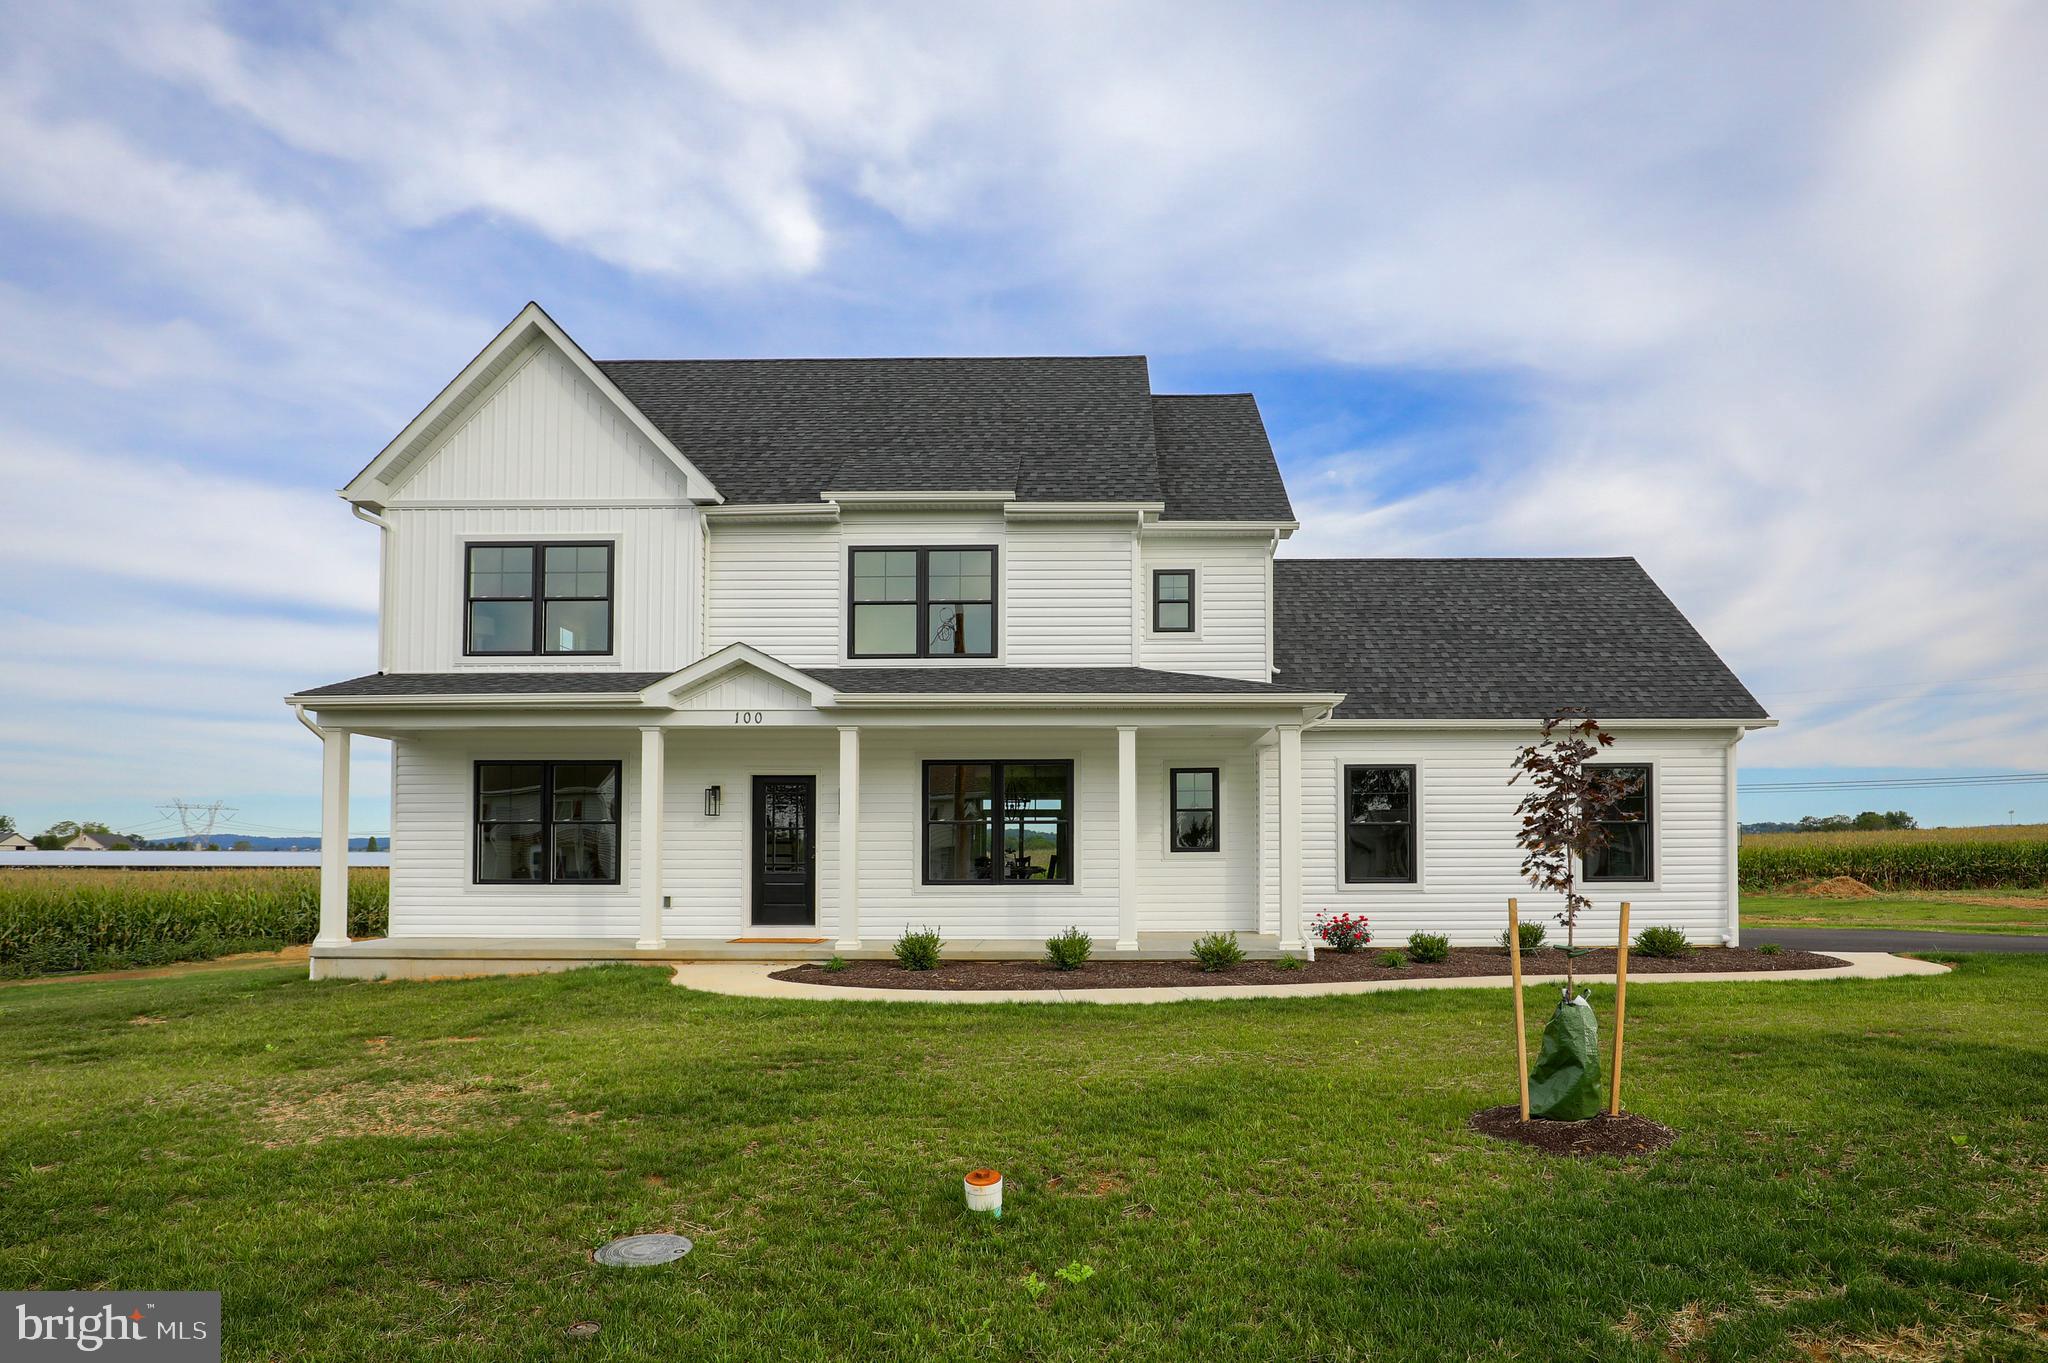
(586, 792)
(1176, 586)
(509, 851)
(884, 629)
(967, 631)
(508, 792)
(1194, 830)
(586, 851)
(578, 627)
(958, 852)
(955, 791)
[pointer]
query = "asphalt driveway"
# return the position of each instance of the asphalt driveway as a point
(1889, 939)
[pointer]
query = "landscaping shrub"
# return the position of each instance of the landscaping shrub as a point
(1428, 947)
(1391, 960)
(836, 964)
(1069, 950)
(1768, 949)
(918, 950)
(1345, 932)
(1918, 859)
(1218, 951)
(1662, 941)
(1289, 962)
(1532, 935)
(64, 918)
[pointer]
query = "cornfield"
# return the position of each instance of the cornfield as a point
(1911, 859)
(55, 919)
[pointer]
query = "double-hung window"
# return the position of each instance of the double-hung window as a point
(1379, 825)
(1173, 601)
(986, 822)
(540, 823)
(1194, 809)
(1628, 853)
(538, 598)
(922, 603)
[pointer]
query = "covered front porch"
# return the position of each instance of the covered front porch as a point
(751, 812)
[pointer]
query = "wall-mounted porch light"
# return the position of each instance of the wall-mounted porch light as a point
(714, 798)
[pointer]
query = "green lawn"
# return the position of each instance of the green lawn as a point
(2010, 911)
(419, 1171)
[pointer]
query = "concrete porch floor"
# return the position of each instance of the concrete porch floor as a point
(415, 958)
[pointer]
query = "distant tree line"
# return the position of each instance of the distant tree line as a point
(1868, 821)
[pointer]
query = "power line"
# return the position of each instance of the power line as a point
(2020, 778)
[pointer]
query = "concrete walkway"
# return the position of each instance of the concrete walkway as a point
(1837, 941)
(750, 979)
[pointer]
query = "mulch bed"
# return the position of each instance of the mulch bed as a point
(1328, 966)
(1625, 1135)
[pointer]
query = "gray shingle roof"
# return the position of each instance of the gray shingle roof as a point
(1057, 429)
(489, 684)
(1114, 681)
(1215, 462)
(1495, 639)
(853, 680)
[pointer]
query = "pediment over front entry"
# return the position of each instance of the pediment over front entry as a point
(738, 677)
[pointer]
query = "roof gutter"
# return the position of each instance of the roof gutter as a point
(1040, 699)
(579, 699)
(1424, 722)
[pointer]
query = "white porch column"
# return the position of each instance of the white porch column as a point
(1290, 837)
(1126, 837)
(653, 779)
(333, 839)
(849, 838)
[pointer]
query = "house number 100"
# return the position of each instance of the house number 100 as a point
(746, 716)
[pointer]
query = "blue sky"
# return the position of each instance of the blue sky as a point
(1752, 293)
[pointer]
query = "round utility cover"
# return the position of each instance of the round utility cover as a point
(642, 1251)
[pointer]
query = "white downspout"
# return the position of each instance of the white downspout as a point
(1732, 934)
(383, 582)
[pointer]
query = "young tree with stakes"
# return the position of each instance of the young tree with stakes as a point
(1563, 812)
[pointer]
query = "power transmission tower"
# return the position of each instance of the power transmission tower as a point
(195, 818)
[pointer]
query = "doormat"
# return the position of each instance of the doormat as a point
(793, 941)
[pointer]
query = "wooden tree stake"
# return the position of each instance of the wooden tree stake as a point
(1620, 1013)
(1521, 1028)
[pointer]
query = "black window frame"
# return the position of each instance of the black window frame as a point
(996, 818)
(1214, 809)
(1648, 821)
(540, 599)
(1158, 601)
(547, 820)
(1413, 825)
(925, 600)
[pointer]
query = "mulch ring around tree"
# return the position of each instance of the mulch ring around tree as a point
(1328, 967)
(1622, 1136)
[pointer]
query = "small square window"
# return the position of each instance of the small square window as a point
(1173, 601)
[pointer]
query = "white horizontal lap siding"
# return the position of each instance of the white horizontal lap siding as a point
(1229, 639)
(1469, 862)
(654, 583)
(707, 861)
(777, 588)
(1198, 891)
(433, 833)
(543, 431)
(1067, 595)
(892, 832)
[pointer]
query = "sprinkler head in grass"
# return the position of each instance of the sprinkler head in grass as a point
(642, 1251)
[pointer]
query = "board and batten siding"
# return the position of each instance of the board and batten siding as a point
(542, 433)
(1469, 863)
(654, 590)
(1231, 577)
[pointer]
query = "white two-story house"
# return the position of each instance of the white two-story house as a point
(780, 657)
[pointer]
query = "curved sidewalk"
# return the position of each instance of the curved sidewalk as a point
(751, 979)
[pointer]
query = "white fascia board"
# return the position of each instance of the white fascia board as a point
(1423, 722)
(1264, 529)
(368, 488)
(918, 497)
(772, 511)
(1071, 699)
(714, 665)
(480, 700)
(1081, 511)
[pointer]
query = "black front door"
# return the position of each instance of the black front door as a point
(785, 850)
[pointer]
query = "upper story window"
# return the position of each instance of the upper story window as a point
(1379, 825)
(1173, 601)
(539, 598)
(1627, 855)
(922, 603)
